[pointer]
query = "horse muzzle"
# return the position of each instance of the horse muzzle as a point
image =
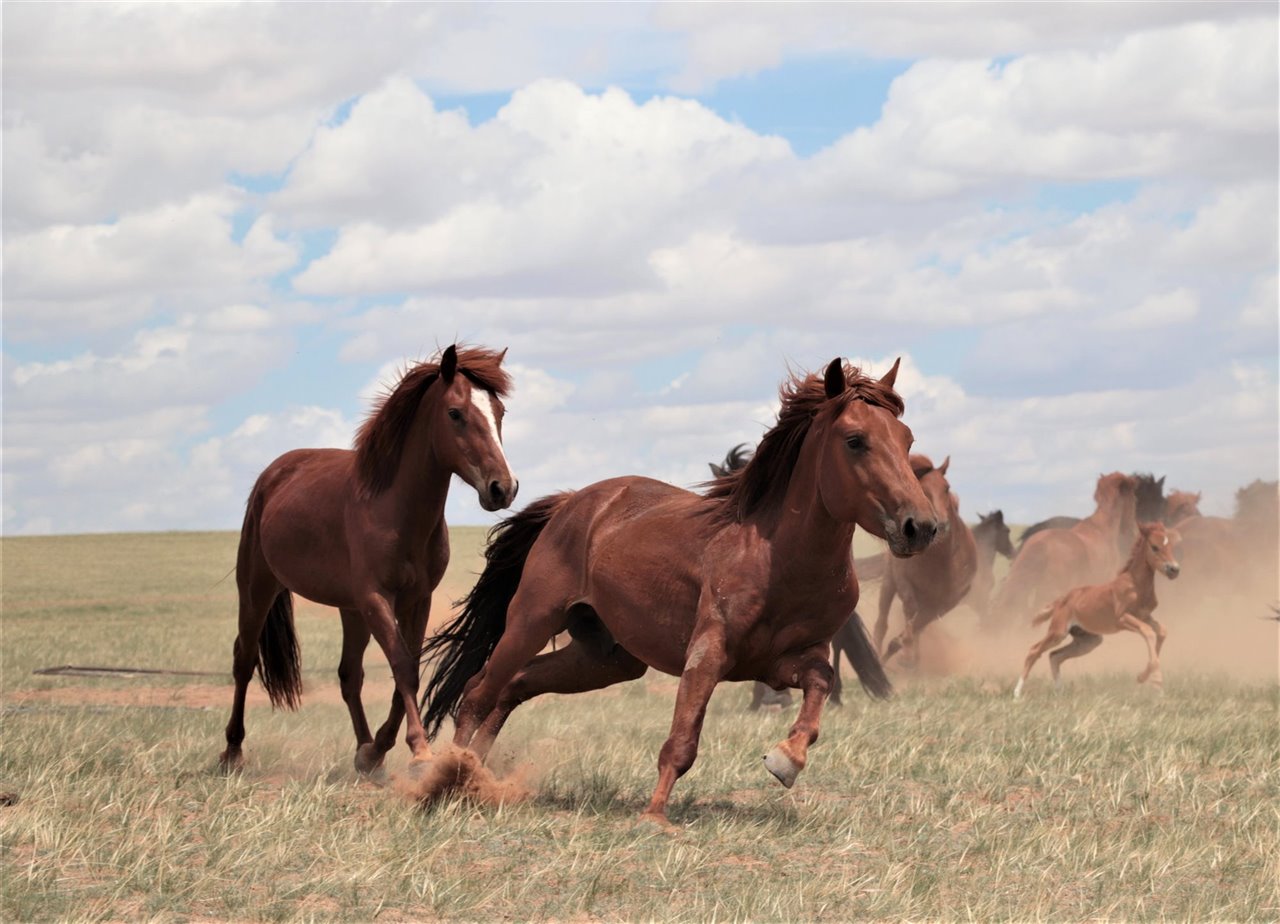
(498, 494)
(1172, 570)
(909, 536)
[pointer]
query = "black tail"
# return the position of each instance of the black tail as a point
(862, 656)
(279, 658)
(462, 647)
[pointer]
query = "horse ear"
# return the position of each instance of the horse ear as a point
(833, 379)
(1174, 536)
(1160, 483)
(502, 355)
(942, 469)
(892, 375)
(449, 363)
(998, 516)
(716, 471)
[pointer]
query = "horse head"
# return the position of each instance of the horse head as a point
(467, 426)
(864, 472)
(1158, 545)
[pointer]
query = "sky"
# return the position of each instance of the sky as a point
(226, 227)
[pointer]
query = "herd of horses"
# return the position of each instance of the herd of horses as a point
(748, 579)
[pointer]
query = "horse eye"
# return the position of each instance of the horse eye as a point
(1155, 548)
(856, 441)
(455, 414)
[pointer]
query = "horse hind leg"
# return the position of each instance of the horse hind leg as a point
(1082, 642)
(576, 668)
(257, 596)
(1053, 636)
(355, 639)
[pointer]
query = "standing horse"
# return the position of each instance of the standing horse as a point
(931, 583)
(1058, 559)
(1148, 497)
(748, 581)
(1125, 603)
(363, 530)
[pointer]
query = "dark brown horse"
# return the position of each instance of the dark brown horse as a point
(1125, 603)
(363, 530)
(1148, 497)
(992, 537)
(748, 581)
(1058, 559)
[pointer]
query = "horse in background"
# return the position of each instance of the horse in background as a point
(992, 537)
(748, 581)
(1233, 554)
(1180, 505)
(1149, 498)
(931, 583)
(363, 530)
(734, 459)
(1125, 603)
(1058, 559)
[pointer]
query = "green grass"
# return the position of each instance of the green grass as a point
(949, 802)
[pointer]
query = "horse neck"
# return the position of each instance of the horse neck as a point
(1139, 571)
(984, 541)
(1116, 519)
(809, 539)
(417, 493)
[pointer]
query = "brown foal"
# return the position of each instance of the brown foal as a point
(748, 581)
(363, 530)
(1125, 603)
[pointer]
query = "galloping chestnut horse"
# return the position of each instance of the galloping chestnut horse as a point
(1059, 559)
(748, 581)
(364, 530)
(1126, 602)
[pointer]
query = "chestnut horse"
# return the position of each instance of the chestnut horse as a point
(1148, 497)
(363, 530)
(1233, 554)
(748, 581)
(1180, 505)
(1058, 559)
(1125, 603)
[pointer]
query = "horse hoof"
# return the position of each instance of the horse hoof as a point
(417, 767)
(781, 766)
(231, 761)
(368, 759)
(1017, 691)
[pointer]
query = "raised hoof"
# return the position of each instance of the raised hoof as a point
(781, 766)
(368, 759)
(231, 761)
(1017, 691)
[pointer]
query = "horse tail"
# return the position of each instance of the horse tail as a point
(279, 657)
(462, 648)
(863, 658)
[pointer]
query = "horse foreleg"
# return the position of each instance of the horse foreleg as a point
(1160, 632)
(382, 624)
(355, 639)
(888, 589)
(812, 673)
(1152, 670)
(706, 663)
(412, 621)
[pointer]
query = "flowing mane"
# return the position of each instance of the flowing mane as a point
(380, 439)
(761, 484)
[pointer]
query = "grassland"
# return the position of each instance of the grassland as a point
(951, 801)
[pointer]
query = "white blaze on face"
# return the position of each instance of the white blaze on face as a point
(483, 402)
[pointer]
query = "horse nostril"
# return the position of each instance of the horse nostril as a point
(495, 490)
(909, 528)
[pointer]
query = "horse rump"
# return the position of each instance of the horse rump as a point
(460, 649)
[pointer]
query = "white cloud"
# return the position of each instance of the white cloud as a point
(1176, 307)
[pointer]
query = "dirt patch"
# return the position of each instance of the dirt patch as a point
(458, 771)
